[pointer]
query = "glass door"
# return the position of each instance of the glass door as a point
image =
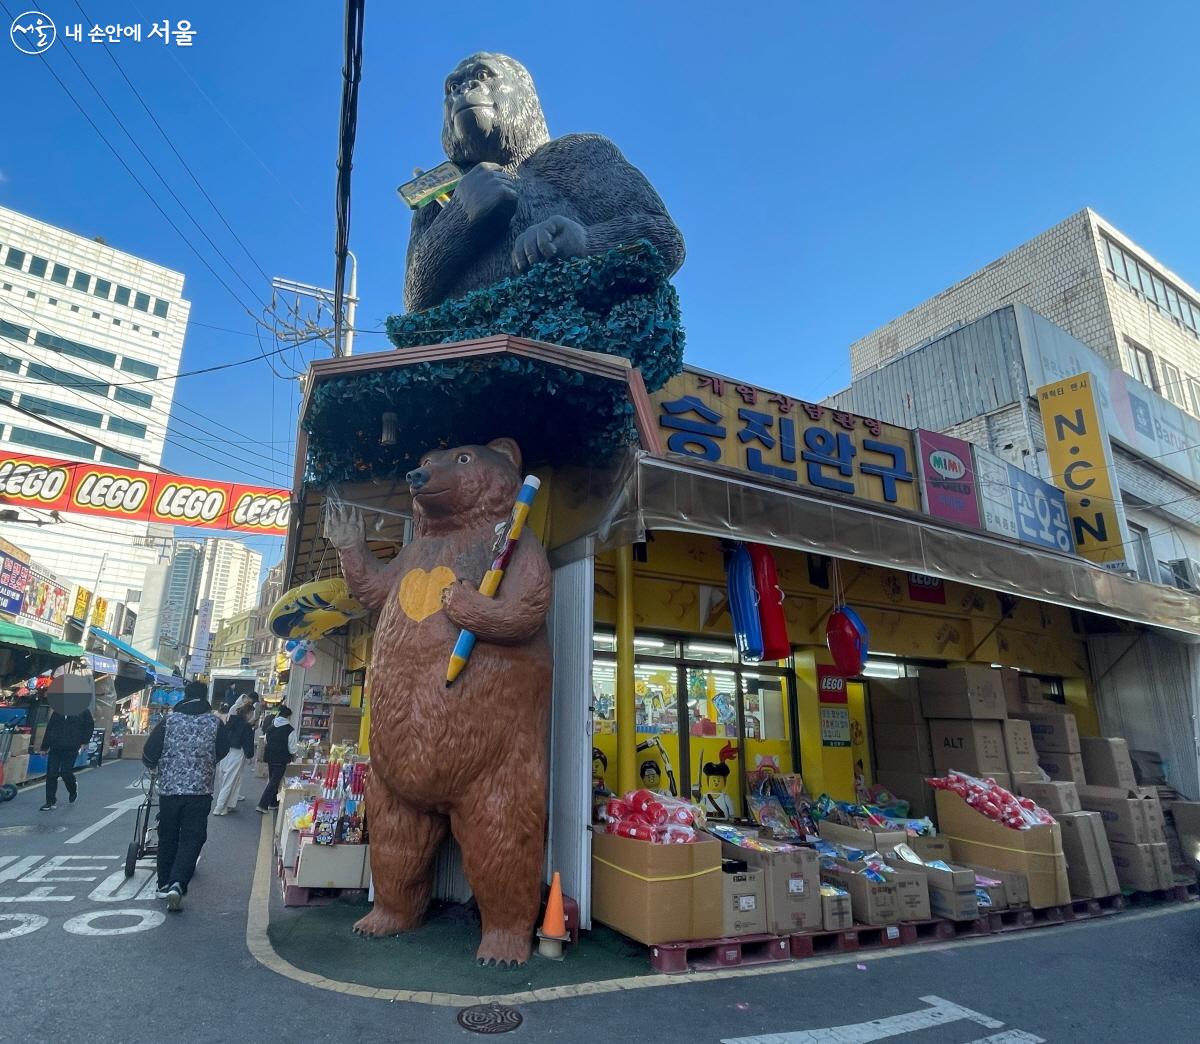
(716, 777)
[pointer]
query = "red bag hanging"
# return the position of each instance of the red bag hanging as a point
(770, 604)
(845, 644)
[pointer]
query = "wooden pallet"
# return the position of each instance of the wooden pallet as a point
(711, 954)
(1014, 919)
(300, 895)
(1177, 893)
(936, 930)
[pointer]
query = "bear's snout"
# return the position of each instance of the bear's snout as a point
(417, 478)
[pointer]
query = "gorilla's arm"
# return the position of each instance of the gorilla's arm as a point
(440, 247)
(616, 204)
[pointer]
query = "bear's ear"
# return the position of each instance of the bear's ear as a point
(507, 448)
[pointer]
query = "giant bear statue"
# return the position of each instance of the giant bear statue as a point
(470, 758)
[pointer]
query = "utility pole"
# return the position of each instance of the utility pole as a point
(339, 336)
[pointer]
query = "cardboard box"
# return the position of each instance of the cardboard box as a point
(895, 701)
(1186, 815)
(1057, 796)
(1065, 767)
(1020, 692)
(132, 745)
(882, 841)
(1016, 884)
(951, 893)
(19, 744)
(930, 848)
(1153, 811)
(1144, 867)
(976, 747)
(1128, 818)
(743, 906)
(1106, 762)
(997, 894)
(912, 893)
(1018, 747)
(791, 884)
(912, 787)
(870, 901)
(903, 747)
(1090, 869)
(289, 848)
(1019, 779)
(330, 866)
(1053, 731)
(962, 692)
(836, 915)
(657, 893)
(1037, 852)
(16, 768)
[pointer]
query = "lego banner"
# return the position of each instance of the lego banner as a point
(100, 489)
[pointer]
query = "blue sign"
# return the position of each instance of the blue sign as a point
(1041, 511)
(14, 578)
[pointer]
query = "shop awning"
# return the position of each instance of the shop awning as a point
(15, 634)
(156, 668)
(665, 495)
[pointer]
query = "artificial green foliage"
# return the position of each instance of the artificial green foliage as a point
(618, 303)
(557, 416)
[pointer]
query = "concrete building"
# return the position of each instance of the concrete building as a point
(230, 577)
(90, 338)
(234, 642)
(1089, 279)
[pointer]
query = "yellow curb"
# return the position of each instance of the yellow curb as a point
(259, 944)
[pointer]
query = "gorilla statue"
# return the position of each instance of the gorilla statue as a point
(523, 198)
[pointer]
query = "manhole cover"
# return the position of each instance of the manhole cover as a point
(17, 831)
(489, 1018)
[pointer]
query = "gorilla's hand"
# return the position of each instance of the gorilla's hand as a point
(557, 236)
(487, 192)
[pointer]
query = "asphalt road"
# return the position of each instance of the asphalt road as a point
(86, 955)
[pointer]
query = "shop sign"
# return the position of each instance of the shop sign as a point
(45, 606)
(714, 420)
(995, 494)
(51, 484)
(14, 578)
(835, 726)
(1041, 511)
(831, 686)
(99, 611)
(922, 588)
(102, 664)
(1081, 465)
(83, 598)
(947, 478)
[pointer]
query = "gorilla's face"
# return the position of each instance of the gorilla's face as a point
(492, 112)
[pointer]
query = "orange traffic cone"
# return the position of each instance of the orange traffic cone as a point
(553, 932)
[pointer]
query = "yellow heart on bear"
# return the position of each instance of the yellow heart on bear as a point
(421, 592)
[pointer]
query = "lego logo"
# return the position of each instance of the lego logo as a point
(33, 483)
(112, 492)
(190, 503)
(832, 684)
(254, 509)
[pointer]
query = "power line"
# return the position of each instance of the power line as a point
(347, 131)
(86, 438)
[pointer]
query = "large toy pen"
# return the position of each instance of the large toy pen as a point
(490, 583)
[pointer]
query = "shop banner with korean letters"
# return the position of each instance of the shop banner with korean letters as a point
(1041, 511)
(771, 436)
(947, 478)
(1081, 465)
(50, 484)
(995, 494)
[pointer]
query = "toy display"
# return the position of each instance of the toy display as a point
(992, 800)
(647, 816)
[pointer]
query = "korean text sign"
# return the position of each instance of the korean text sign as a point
(1081, 464)
(948, 478)
(14, 578)
(99, 489)
(1041, 511)
(720, 421)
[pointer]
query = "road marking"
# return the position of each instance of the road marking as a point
(61, 862)
(939, 1013)
(1015, 1036)
(83, 924)
(21, 867)
(45, 894)
(117, 888)
(121, 808)
(26, 923)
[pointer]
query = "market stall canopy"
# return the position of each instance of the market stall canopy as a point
(159, 671)
(15, 634)
(666, 495)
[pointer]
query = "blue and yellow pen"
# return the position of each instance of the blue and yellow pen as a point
(491, 579)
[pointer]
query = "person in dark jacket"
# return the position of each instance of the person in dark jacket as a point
(185, 748)
(241, 750)
(281, 746)
(63, 739)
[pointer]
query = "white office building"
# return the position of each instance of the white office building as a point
(230, 578)
(90, 339)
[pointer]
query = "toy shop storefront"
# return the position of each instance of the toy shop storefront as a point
(650, 672)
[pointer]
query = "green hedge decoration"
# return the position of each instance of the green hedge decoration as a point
(618, 303)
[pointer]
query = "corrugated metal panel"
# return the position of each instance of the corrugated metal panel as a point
(569, 849)
(449, 878)
(973, 370)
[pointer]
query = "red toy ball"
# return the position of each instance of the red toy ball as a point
(845, 643)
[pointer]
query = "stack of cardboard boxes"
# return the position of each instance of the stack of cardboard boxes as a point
(16, 768)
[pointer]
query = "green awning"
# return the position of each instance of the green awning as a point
(15, 634)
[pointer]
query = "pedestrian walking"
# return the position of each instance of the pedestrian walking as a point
(281, 746)
(62, 741)
(185, 748)
(240, 734)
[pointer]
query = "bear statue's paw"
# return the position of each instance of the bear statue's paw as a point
(503, 948)
(379, 924)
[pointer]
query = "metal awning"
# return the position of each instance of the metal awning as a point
(161, 672)
(27, 638)
(661, 494)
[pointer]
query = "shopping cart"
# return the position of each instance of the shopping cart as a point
(145, 830)
(8, 791)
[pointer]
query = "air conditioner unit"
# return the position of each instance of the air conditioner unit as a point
(1183, 573)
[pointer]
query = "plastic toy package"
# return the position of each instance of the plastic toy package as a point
(646, 816)
(736, 835)
(988, 798)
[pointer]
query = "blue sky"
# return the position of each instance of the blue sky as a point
(830, 165)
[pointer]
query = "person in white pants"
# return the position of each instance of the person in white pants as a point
(241, 750)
